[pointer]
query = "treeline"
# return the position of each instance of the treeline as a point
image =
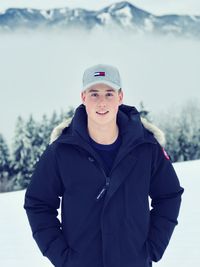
(181, 127)
(30, 139)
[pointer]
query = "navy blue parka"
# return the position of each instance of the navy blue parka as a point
(106, 221)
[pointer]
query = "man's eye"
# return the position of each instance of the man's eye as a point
(94, 94)
(109, 94)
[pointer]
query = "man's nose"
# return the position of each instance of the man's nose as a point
(102, 99)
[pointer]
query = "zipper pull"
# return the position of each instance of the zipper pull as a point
(100, 195)
(103, 191)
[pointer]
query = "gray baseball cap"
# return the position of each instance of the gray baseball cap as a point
(102, 73)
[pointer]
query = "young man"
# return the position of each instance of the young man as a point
(104, 166)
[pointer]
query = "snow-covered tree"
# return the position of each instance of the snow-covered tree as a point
(44, 132)
(34, 143)
(30, 140)
(189, 128)
(21, 155)
(5, 177)
(144, 112)
(182, 130)
(54, 120)
(70, 112)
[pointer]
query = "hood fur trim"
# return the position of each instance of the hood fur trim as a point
(158, 134)
(57, 131)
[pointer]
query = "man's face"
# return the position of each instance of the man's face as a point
(101, 103)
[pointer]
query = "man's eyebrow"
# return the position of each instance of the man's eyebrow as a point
(96, 90)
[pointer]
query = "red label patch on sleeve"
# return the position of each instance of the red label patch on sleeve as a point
(165, 154)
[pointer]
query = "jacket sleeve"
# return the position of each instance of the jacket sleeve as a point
(41, 204)
(165, 193)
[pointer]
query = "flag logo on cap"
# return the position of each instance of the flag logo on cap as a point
(99, 73)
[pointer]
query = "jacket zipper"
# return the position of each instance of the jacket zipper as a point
(105, 188)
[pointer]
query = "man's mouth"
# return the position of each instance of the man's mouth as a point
(102, 113)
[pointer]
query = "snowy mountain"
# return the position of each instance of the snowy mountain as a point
(18, 249)
(121, 15)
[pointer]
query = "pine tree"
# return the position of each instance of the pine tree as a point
(196, 144)
(182, 130)
(5, 177)
(70, 112)
(34, 144)
(190, 128)
(168, 123)
(144, 112)
(21, 155)
(44, 132)
(54, 120)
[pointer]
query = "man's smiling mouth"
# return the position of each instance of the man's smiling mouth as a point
(102, 113)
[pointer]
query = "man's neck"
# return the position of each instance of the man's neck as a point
(103, 134)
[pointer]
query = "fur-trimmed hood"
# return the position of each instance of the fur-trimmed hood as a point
(158, 133)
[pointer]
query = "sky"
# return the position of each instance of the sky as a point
(19, 249)
(157, 7)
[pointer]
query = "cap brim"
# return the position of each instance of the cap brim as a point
(112, 85)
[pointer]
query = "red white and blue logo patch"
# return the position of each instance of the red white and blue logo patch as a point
(165, 154)
(99, 73)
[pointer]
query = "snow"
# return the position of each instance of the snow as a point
(125, 16)
(47, 13)
(105, 18)
(63, 10)
(30, 10)
(2, 11)
(76, 13)
(195, 18)
(19, 249)
(149, 24)
(171, 28)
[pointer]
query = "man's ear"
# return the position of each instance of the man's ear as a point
(83, 97)
(121, 96)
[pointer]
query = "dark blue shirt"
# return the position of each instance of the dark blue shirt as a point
(107, 152)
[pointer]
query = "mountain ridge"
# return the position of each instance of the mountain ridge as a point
(123, 15)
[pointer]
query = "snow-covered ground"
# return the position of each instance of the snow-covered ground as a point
(18, 249)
